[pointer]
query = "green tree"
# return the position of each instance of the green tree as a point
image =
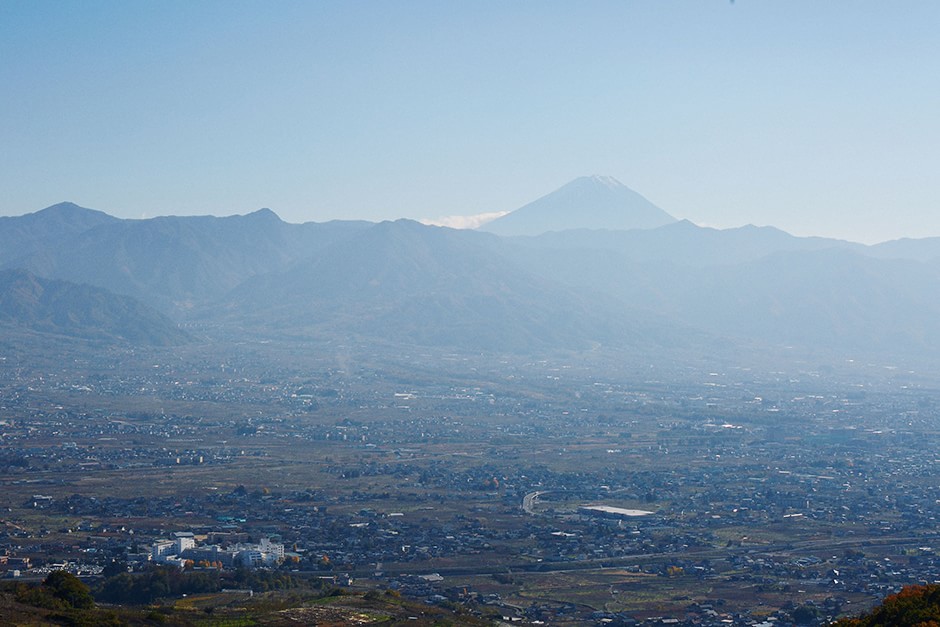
(69, 588)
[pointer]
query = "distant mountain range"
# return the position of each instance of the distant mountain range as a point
(582, 282)
(408, 283)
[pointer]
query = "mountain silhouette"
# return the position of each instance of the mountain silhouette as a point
(588, 202)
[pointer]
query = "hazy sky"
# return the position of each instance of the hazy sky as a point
(820, 117)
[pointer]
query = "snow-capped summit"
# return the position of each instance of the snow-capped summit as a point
(587, 202)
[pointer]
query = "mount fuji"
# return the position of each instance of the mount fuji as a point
(588, 202)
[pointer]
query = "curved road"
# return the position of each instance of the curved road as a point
(528, 501)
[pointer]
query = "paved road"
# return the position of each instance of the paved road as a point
(528, 501)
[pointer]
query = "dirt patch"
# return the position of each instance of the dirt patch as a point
(331, 615)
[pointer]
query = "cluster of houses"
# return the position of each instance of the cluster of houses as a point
(182, 549)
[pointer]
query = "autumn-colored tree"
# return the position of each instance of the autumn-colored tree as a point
(913, 606)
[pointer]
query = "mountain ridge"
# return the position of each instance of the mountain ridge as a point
(425, 285)
(51, 227)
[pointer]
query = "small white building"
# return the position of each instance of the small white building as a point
(272, 548)
(265, 553)
(161, 550)
(184, 540)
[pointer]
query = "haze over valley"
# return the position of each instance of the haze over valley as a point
(623, 314)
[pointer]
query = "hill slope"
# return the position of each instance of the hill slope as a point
(834, 298)
(60, 307)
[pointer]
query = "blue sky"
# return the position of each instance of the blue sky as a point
(816, 117)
